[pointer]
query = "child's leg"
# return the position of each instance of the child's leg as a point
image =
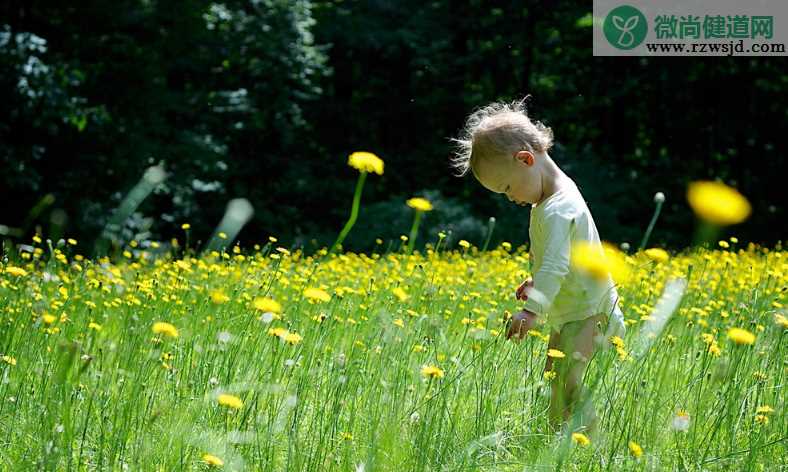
(576, 341)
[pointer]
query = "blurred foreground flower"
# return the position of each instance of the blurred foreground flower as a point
(599, 262)
(717, 203)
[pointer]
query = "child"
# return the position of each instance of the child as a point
(507, 153)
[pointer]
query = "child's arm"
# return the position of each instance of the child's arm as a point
(555, 264)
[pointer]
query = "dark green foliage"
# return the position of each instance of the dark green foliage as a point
(265, 100)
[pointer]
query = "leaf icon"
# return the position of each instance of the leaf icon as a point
(631, 23)
(618, 22)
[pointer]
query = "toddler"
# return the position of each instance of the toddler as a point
(507, 153)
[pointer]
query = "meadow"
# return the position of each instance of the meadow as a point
(270, 359)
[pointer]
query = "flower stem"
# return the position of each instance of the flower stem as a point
(414, 229)
(650, 226)
(353, 212)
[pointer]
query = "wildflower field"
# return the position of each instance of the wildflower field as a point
(269, 359)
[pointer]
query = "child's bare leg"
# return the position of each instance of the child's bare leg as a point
(577, 343)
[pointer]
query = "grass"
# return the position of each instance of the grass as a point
(341, 385)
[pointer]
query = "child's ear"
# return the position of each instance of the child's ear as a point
(526, 156)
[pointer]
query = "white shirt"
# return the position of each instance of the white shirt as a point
(560, 293)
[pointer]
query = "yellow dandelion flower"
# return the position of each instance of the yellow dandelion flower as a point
(400, 293)
(555, 353)
(581, 439)
(278, 332)
(212, 460)
(346, 436)
(464, 243)
(160, 327)
(366, 162)
(762, 419)
(764, 409)
(635, 449)
(714, 349)
(717, 203)
(265, 304)
(420, 204)
(399, 322)
(431, 371)
(230, 401)
(657, 254)
(317, 295)
(723, 244)
(16, 271)
(9, 360)
(94, 326)
(49, 319)
(741, 336)
(186, 226)
(549, 375)
(781, 320)
(218, 297)
(292, 338)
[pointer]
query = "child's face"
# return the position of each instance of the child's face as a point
(516, 176)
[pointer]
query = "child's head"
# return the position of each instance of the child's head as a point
(505, 150)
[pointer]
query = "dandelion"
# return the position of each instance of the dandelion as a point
(230, 401)
(399, 322)
(549, 375)
(421, 205)
(292, 338)
(277, 332)
(212, 460)
(781, 321)
(555, 354)
(364, 162)
(717, 203)
(48, 319)
(741, 336)
(94, 326)
(346, 436)
(762, 419)
(465, 244)
(681, 421)
(764, 409)
(657, 254)
(317, 295)
(723, 244)
(267, 305)
(218, 297)
(635, 449)
(400, 294)
(9, 360)
(600, 262)
(581, 439)
(15, 271)
(186, 226)
(431, 371)
(160, 327)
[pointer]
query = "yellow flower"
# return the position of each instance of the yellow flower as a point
(431, 371)
(230, 401)
(741, 336)
(717, 203)
(762, 419)
(657, 254)
(555, 353)
(16, 271)
(581, 439)
(723, 244)
(400, 293)
(212, 460)
(549, 375)
(317, 295)
(218, 297)
(399, 322)
(420, 204)
(160, 327)
(764, 409)
(267, 305)
(9, 360)
(94, 326)
(464, 243)
(366, 162)
(635, 449)
(186, 226)
(292, 338)
(278, 332)
(599, 262)
(781, 320)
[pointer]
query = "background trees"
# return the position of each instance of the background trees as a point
(265, 100)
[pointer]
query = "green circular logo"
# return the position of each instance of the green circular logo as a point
(625, 27)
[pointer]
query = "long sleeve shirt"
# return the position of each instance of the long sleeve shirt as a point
(560, 293)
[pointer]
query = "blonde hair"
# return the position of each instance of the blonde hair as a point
(498, 129)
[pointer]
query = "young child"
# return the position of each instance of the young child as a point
(507, 153)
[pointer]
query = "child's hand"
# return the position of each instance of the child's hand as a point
(519, 325)
(520, 293)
